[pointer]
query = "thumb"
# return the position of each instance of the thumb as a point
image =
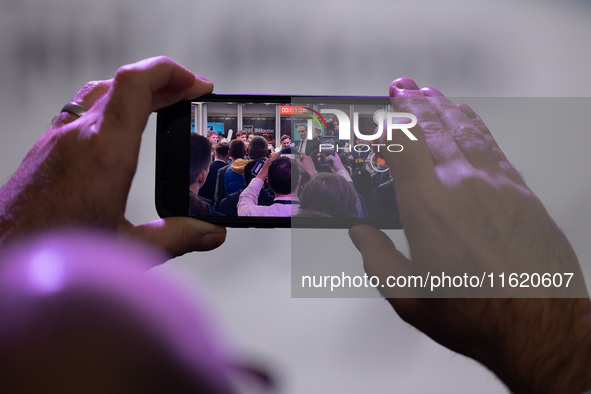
(179, 235)
(382, 259)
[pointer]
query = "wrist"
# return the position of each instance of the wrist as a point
(261, 176)
(546, 354)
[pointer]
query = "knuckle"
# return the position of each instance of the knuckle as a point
(130, 73)
(161, 59)
(126, 74)
(479, 148)
(479, 125)
(469, 129)
(500, 156)
(467, 132)
(91, 86)
(471, 139)
(91, 91)
(433, 129)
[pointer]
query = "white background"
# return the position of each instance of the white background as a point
(465, 48)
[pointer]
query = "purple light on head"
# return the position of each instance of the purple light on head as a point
(46, 271)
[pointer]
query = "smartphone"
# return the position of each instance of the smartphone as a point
(207, 161)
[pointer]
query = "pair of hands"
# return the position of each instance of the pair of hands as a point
(461, 202)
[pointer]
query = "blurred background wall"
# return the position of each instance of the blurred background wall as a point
(465, 48)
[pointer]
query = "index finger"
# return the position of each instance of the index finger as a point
(415, 163)
(139, 89)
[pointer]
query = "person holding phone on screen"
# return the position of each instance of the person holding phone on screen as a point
(277, 171)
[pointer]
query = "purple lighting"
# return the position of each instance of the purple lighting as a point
(46, 271)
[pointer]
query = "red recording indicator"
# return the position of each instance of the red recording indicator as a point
(293, 110)
(302, 110)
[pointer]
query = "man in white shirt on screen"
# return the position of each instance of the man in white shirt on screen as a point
(278, 170)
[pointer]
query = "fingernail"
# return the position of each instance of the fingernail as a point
(202, 78)
(431, 92)
(406, 83)
(212, 241)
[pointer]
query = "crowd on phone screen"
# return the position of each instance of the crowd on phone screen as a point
(345, 184)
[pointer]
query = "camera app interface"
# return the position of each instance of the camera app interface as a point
(298, 159)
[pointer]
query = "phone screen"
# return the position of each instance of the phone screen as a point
(275, 161)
